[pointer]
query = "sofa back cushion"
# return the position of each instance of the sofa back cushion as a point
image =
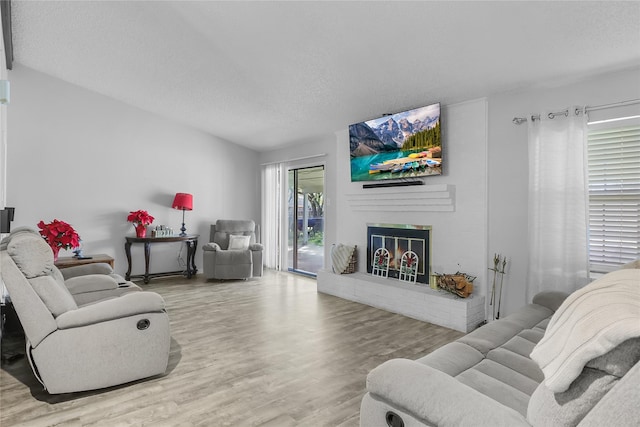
(632, 264)
(619, 407)
(224, 228)
(495, 334)
(589, 323)
(568, 408)
(31, 254)
(599, 376)
(34, 259)
(55, 296)
(620, 360)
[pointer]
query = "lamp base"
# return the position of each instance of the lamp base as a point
(183, 230)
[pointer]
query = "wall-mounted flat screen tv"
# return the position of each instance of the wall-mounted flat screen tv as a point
(397, 146)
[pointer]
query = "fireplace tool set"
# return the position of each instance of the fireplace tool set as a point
(499, 265)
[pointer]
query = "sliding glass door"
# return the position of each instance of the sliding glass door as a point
(306, 220)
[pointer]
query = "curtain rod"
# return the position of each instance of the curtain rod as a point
(294, 160)
(520, 120)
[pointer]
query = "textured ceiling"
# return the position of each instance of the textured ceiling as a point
(267, 74)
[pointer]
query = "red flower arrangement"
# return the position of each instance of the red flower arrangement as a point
(59, 235)
(140, 217)
(140, 220)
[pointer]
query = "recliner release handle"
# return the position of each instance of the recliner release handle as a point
(393, 419)
(143, 324)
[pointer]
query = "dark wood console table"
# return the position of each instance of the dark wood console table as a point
(190, 240)
(71, 261)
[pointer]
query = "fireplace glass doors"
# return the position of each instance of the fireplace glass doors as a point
(397, 239)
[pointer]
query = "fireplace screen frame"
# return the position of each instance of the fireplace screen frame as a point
(398, 238)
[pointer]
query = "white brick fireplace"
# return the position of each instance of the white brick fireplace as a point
(417, 301)
(454, 205)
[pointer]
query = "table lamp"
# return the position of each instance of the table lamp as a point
(183, 201)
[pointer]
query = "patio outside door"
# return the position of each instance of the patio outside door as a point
(306, 220)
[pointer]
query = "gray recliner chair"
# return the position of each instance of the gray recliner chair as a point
(232, 251)
(86, 283)
(102, 335)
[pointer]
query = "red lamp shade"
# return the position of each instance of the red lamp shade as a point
(183, 201)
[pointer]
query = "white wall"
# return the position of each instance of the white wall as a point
(459, 239)
(508, 167)
(88, 160)
(500, 158)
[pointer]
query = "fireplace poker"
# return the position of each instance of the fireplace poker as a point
(496, 261)
(504, 265)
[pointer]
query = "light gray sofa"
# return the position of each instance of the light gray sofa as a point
(86, 332)
(488, 378)
(221, 262)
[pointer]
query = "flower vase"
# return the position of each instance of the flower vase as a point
(141, 230)
(56, 250)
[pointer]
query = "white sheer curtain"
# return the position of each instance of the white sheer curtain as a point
(558, 202)
(272, 214)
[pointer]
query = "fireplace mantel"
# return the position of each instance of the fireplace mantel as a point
(412, 300)
(423, 198)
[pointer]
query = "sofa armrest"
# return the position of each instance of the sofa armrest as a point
(550, 299)
(211, 247)
(256, 247)
(116, 308)
(90, 283)
(436, 397)
(83, 270)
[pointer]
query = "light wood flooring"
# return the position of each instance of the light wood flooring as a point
(267, 352)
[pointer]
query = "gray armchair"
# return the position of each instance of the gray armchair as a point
(102, 335)
(232, 251)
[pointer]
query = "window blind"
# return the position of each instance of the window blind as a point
(614, 193)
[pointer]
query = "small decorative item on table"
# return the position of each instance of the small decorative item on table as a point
(59, 235)
(77, 252)
(140, 220)
(161, 231)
